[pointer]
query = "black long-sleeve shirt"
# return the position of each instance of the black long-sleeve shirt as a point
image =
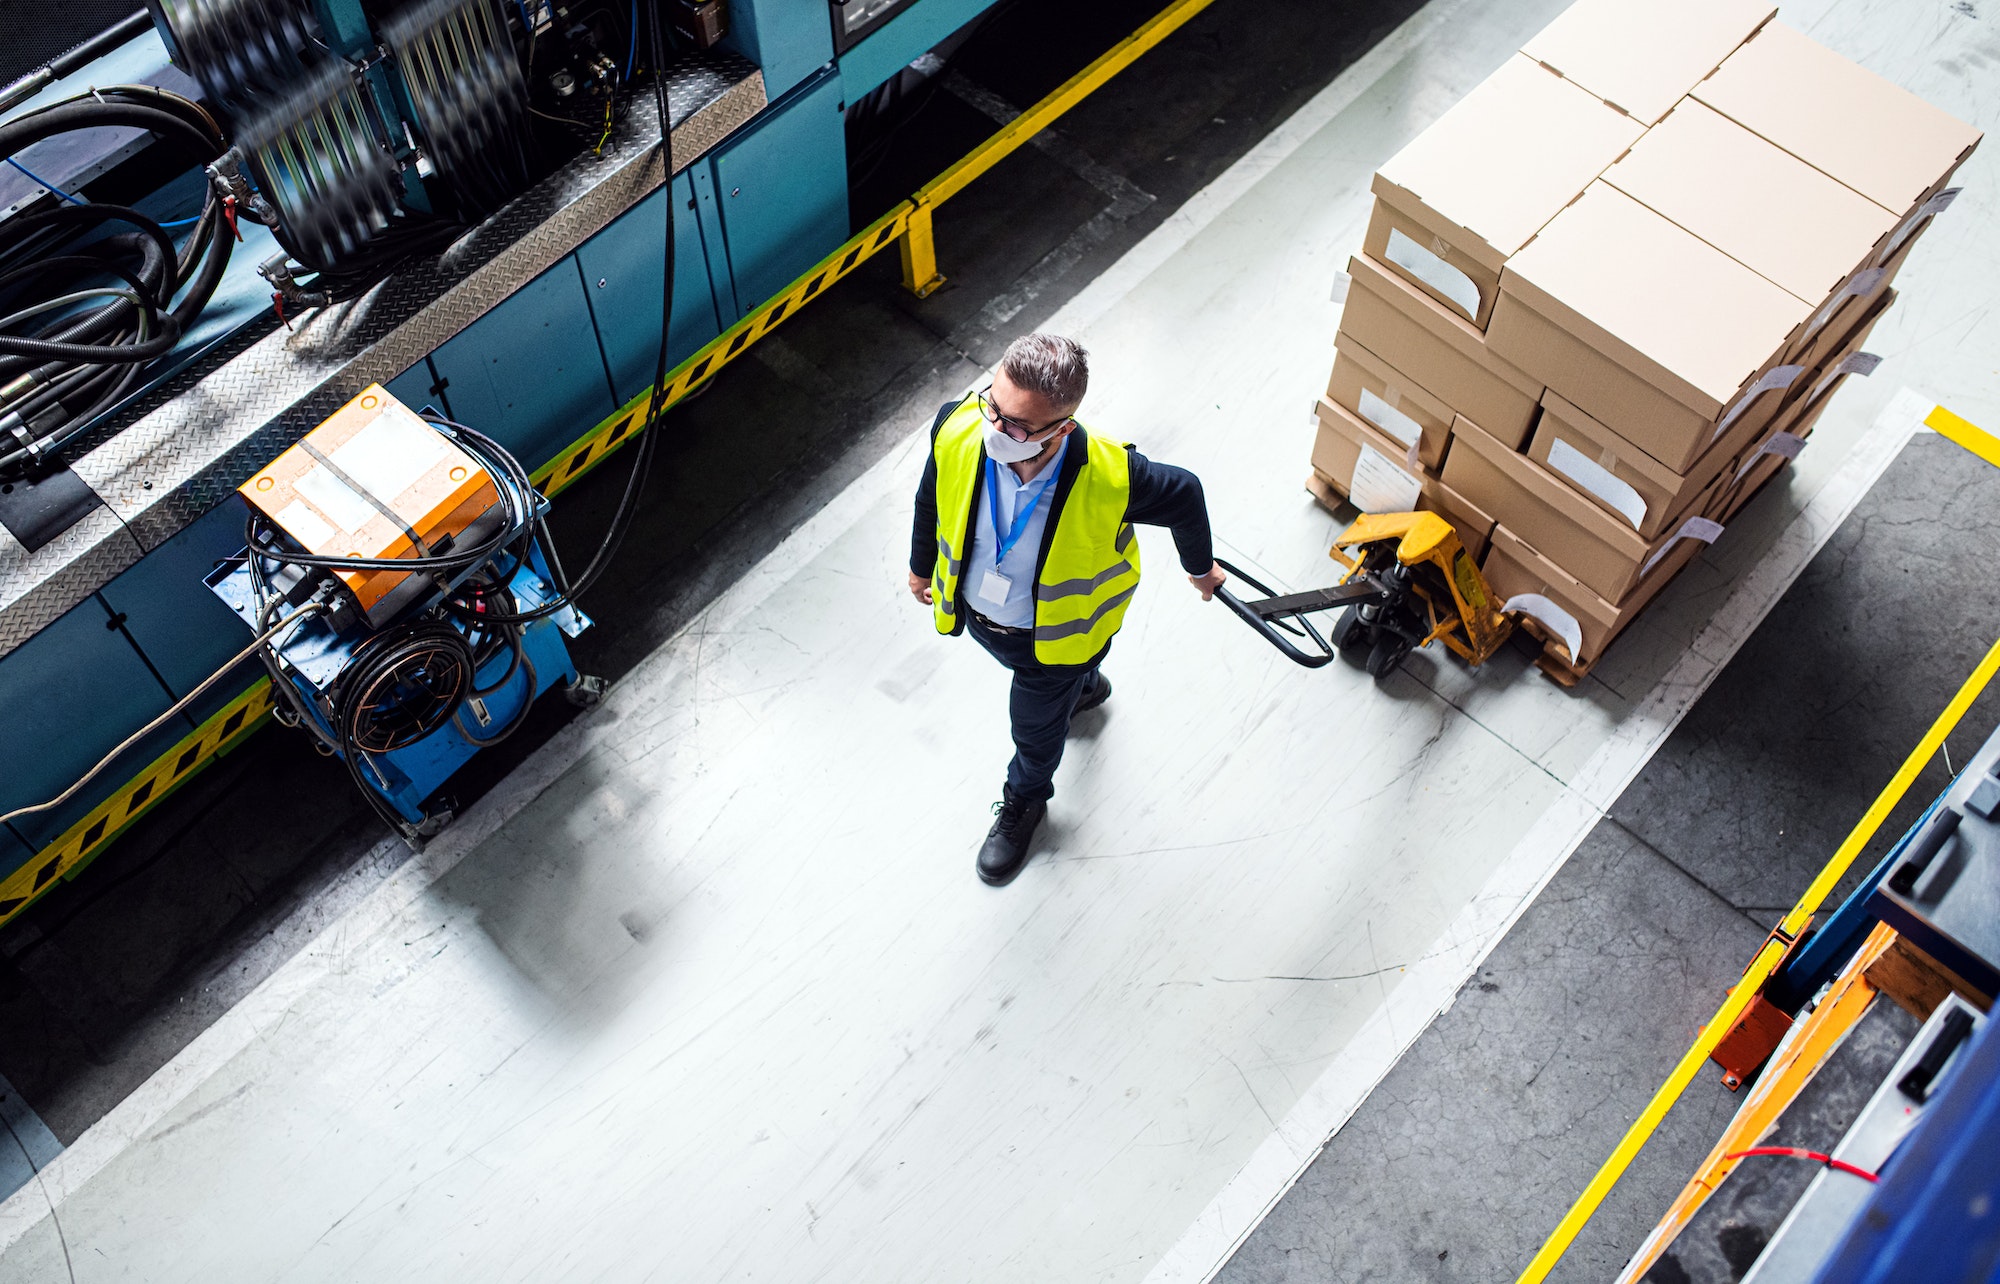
(1161, 495)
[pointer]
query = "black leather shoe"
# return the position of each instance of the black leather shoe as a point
(1006, 847)
(1095, 692)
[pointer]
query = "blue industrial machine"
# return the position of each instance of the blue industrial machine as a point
(328, 194)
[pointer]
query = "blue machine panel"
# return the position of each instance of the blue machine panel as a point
(782, 189)
(902, 39)
(621, 271)
(529, 374)
(788, 39)
(14, 852)
(177, 623)
(80, 675)
(413, 388)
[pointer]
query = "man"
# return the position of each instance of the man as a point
(1023, 536)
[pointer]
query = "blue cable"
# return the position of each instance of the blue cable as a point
(33, 177)
(632, 48)
(53, 190)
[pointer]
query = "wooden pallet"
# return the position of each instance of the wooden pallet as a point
(1554, 661)
(1322, 488)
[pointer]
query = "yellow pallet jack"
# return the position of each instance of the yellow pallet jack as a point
(1409, 582)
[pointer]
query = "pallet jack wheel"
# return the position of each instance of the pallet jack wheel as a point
(1349, 630)
(1386, 655)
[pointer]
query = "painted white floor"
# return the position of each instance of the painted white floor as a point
(711, 992)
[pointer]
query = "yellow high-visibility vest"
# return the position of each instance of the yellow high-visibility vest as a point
(1092, 570)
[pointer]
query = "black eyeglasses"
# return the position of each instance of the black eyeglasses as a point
(1018, 429)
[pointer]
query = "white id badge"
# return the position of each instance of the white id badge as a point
(994, 587)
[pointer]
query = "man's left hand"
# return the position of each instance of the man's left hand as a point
(1207, 584)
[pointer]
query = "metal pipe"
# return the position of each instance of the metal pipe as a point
(63, 64)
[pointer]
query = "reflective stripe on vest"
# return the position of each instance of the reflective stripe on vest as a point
(1092, 567)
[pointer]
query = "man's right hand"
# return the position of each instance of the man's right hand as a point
(920, 588)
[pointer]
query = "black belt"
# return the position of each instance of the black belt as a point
(999, 628)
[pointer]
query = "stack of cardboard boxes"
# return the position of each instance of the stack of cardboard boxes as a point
(1603, 300)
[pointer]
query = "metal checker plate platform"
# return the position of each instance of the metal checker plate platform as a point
(185, 445)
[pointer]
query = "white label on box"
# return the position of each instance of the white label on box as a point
(1549, 616)
(1935, 205)
(1384, 415)
(1700, 528)
(1426, 266)
(308, 528)
(1777, 377)
(1854, 363)
(389, 455)
(1863, 283)
(1379, 486)
(1782, 444)
(330, 495)
(1598, 480)
(1340, 283)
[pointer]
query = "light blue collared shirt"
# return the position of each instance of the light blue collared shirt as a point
(1018, 611)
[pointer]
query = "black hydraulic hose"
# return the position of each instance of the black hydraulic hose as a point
(91, 216)
(520, 717)
(511, 637)
(93, 113)
(157, 346)
(154, 276)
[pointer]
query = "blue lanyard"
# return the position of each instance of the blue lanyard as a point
(1022, 514)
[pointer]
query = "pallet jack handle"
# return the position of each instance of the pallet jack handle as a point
(1271, 613)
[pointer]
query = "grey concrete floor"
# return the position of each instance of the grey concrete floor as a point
(1470, 1150)
(109, 976)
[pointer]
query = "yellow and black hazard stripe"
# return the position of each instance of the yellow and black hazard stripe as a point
(67, 856)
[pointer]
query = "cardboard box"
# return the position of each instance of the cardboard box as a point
(1440, 351)
(1642, 56)
(1367, 467)
(1754, 201)
(1600, 550)
(1619, 477)
(1876, 137)
(1853, 305)
(1749, 474)
(1367, 385)
(1514, 568)
(1842, 359)
(1643, 325)
(1474, 187)
(1758, 463)
(1473, 523)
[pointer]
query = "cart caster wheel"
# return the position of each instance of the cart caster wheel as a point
(585, 692)
(1386, 656)
(1349, 630)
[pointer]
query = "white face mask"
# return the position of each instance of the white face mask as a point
(1006, 450)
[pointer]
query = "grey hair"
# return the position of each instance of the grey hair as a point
(1056, 368)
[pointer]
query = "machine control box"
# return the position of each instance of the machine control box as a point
(375, 480)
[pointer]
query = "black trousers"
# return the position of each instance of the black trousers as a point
(1039, 707)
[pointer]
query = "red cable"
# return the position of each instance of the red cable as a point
(1794, 1152)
